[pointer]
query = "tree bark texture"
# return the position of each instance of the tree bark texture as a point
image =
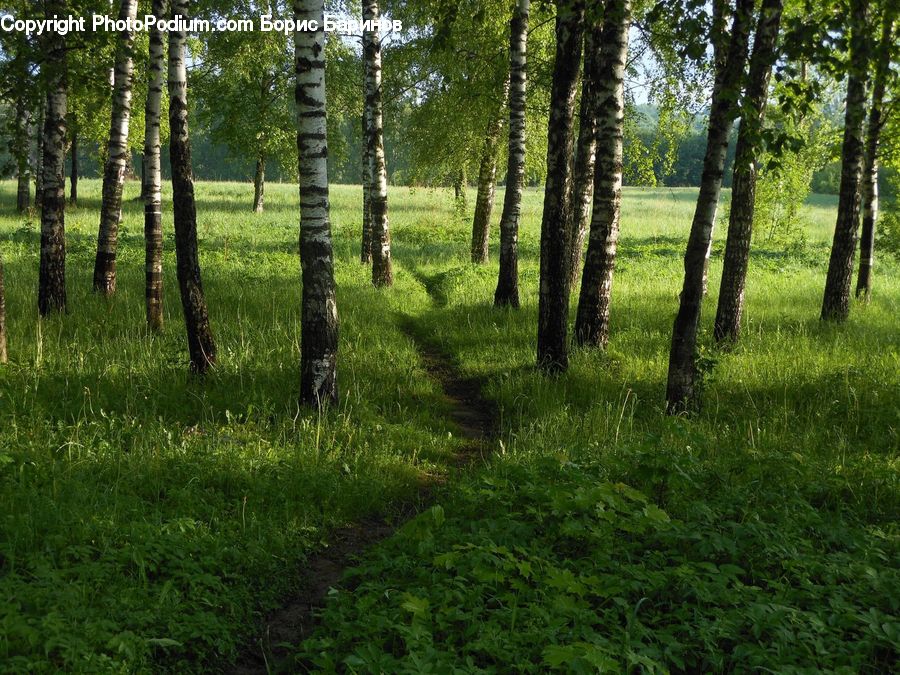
(39, 155)
(592, 318)
(201, 346)
(365, 249)
(152, 178)
(52, 274)
(553, 299)
(259, 184)
(507, 292)
(382, 271)
(117, 156)
(20, 155)
(319, 322)
(836, 299)
(487, 177)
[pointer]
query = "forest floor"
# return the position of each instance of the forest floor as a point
(154, 522)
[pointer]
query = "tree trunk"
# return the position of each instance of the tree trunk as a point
(152, 178)
(680, 390)
(116, 159)
(365, 250)
(869, 187)
(52, 275)
(585, 153)
(608, 86)
(553, 303)
(259, 184)
(507, 292)
(743, 185)
(382, 272)
(319, 339)
(73, 174)
(3, 353)
(20, 150)
(39, 156)
(487, 177)
(201, 347)
(836, 299)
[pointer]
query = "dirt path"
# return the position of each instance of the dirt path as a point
(475, 419)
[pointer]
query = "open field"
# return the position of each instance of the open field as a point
(149, 519)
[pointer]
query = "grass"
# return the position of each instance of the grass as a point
(151, 518)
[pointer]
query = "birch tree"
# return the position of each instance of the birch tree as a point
(201, 346)
(118, 155)
(319, 320)
(21, 140)
(836, 299)
(382, 271)
(553, 302)
(152, 179)
(727, 325)
(52, 273)
(365, 251)
(592, 318)
(487, 177)
(869, 190)
(585, 149)
(507, 292)
(730, 58)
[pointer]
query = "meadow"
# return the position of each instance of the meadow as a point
(151, 520)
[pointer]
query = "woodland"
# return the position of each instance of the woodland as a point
(496, 336)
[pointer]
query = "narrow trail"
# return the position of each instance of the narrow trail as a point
(475, 420)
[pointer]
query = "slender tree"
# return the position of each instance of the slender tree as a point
(507, 292)
(680, 391)
(3, 352)
(382, 271)
(585, 151)
(152, 175)
(592, 318)
(836, 299)
(874, 126)
(553, 299)
(727, 326)
(487, 177)
(259, 184)
(365, 250)
(52, 275)
(319, 321)
(117, 157)
(201, 347)
(20, 154)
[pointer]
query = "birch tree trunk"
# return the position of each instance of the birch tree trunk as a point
(487, 177)
(319, 322)
(727, 327)
(259, 184)
(836, 299)
(680, 390)
(201, 346)
(52, 274)
(117, 156)
(20, 150)
(592, 318)
(74, 173)
(382, 272)
(869, 188)
(3, 353)
(553, 302)
(365, 249)
(507, 292)
(152, 178)
(585, 152)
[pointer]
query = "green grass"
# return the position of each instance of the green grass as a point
(150, 518)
